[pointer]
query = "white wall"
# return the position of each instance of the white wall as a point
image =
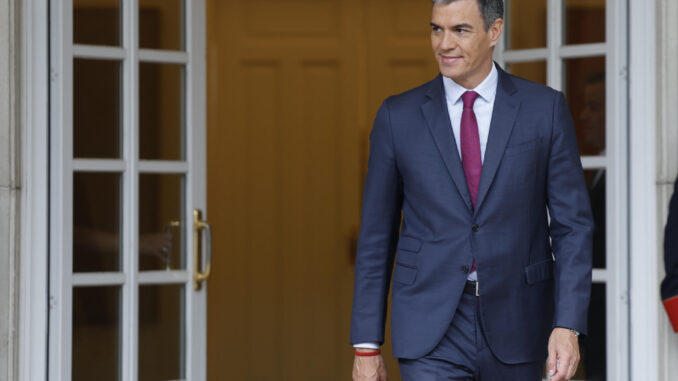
(9, 186)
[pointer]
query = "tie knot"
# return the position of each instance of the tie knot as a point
(469, 97)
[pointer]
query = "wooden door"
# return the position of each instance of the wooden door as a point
(293, 87)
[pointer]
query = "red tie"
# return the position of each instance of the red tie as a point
(471, 159)
(470, 145)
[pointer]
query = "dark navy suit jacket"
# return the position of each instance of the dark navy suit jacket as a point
(669, 286)
(532, 275)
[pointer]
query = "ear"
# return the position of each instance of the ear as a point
(495, 31)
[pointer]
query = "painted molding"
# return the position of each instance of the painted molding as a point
(9, 187)
(644, 250)
(32, 351)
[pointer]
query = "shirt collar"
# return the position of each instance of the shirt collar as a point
(487, 89)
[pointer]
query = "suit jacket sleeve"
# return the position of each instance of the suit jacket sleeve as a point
(382, 202)
(571, 225)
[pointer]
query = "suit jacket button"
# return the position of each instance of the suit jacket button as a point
(475, 228)
(464, 269)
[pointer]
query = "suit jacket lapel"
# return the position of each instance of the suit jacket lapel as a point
(504, 116)
(438, 121)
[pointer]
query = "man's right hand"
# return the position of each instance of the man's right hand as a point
(369, 368)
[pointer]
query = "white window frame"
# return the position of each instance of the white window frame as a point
(614, 161)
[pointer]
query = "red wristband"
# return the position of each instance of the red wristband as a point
(366, 354)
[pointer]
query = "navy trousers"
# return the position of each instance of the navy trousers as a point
(463, 354)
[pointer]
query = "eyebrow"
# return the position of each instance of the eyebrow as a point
(457, 26)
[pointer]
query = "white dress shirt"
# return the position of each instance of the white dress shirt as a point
(482, 108)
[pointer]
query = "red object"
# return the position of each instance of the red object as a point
(671, 306)
(366, 354)
(469, 140)
(471, 158)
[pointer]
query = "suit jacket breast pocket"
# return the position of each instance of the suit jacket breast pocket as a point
(522, 147)
(520, 162)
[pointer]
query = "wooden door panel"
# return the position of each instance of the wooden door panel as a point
(399, 47)
(283, 189)
(293, 87)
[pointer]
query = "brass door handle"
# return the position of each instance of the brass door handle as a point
(201, 274)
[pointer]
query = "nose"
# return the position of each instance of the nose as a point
(448, 42)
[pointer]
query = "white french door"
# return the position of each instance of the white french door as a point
(129, 251)
(580, 48)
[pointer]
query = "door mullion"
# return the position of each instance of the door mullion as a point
(554, 40)
(130, 305)
(196, 301)
(616, 69)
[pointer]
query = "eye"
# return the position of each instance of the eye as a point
(461, 31)
(436, 28)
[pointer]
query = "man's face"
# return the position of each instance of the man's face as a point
(462, 46)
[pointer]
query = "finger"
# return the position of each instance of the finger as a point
(559, 376)
(573, 368)
(564, 363)
(551, 364)
(384, 376)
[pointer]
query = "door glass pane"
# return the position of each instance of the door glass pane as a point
(161, 222)
(96, 221)
(525, 24)
(97, 22)
(534, 71)
(161, 111)
(584, 21)
(595, 179)
(593, 350)
(96, 108)
(162, 336)
(96, 333)
(585, 92)
(161, 24)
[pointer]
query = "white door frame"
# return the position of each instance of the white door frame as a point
(643, 225)
(33, 272)
(36, 78)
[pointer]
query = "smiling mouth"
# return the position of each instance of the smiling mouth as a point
(449, 59)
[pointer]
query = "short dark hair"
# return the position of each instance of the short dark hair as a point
(490, 9)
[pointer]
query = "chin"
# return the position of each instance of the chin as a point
(449, 73)
(454, 75)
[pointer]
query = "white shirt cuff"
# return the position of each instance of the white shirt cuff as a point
(367, 345)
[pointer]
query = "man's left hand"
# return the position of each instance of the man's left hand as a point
(563, 355)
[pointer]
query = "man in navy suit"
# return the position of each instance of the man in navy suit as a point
(491, 267)
(669, 287)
